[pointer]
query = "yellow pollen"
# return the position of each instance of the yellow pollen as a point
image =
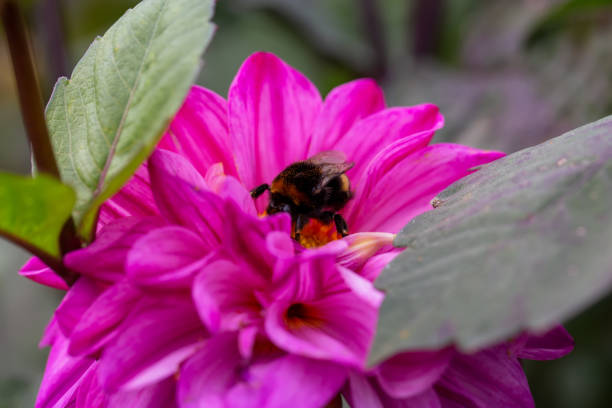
(316, 234)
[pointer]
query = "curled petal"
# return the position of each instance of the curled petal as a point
(37, 271)
(77, 300)
(409, 374)
(183, 197)
(152, 342)
(551, 345)
(104, 259)
(490, 378)
(167, 257)
(337, 328)
(98, 323)
(225, 295)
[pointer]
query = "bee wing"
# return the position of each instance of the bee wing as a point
(328, 157)
(331, 170)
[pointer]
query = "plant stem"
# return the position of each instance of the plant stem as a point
(49, 18)
(374, 30)
(426, 25)
(32, 110)
(30, 98)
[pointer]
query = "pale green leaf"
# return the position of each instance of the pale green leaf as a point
(523, 243)
(107, 118)
(33, 212)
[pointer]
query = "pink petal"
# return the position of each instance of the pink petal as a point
(374, 266)
(217, 376)
(551, 345)
(489, 378)
(408, 374)
(386, 202)
(343, 107)
(224, 294)
(158, 395)
(361, 392)
(272, 111)
(153, 341)
(362, 287)
(62, 377)
(426, 399)
(338, 327)
(90, 394)
(288, 381)
(184, 199)
(98, 323)
(245, 235)
(209, 373)
(52, 332)
(231, 188)
(77, 300)
(164, 166)
(104, 259)
(199, 131)
(37, 271)
(362, 246)
(364, 141)
(364, 392)
(168, 257)
(134, 199)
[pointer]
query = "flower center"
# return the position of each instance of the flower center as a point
(298, 315)
(316, 234)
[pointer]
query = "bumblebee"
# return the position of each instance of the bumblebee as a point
(314, 188)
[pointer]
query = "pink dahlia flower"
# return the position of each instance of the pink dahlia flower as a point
(190, 296)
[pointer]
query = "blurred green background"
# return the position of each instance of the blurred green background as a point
(506, 75)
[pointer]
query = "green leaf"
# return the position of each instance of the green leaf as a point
(523, 243)
(123, 93)
(33, 212)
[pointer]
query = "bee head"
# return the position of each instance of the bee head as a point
(278, 204)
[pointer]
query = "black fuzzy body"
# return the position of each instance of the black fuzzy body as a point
(298, 189)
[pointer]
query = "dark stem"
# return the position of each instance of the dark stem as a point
(49, 16)
(373, 27)
(32, 110)
(426, 16)
(30, 98)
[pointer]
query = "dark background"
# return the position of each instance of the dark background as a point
(506, 75)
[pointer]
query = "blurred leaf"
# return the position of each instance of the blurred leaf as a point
(522, 243)
(108, 117)
(33, 211)
(567, 12)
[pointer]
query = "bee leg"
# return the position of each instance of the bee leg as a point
(341, 226)
(300, 223)
(259, 190)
